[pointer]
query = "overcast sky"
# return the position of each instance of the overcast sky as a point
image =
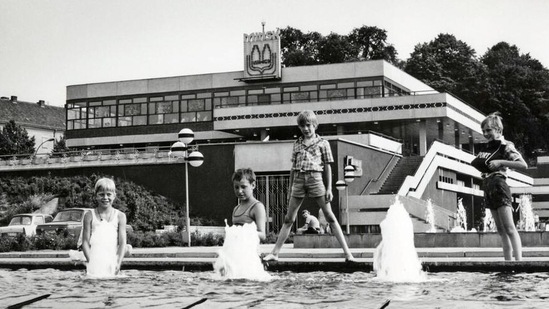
(47, 45)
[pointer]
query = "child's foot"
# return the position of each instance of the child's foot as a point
(350, 259)
(270, 257)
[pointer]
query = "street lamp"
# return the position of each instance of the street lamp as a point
(349, 176)
(195, 158)
(37, 148)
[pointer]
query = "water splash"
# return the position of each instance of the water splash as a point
(461, 220)
(239, 256)
(527, 221)
(489, 223)
(430, 217)
(396, 259)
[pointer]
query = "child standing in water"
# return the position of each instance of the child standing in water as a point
(493, 160)
(248, 209)
(310, 159)
(104, 233)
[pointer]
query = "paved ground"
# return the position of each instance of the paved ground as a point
(293, 259)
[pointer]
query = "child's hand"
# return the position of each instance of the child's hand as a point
(329, 196)
(495, 165)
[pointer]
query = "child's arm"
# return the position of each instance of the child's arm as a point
(260, 219)
(328, 178)
(86, 234)
(121, 240)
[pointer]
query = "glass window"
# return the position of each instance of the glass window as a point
(139, 120)
(171, 118)
(156, 119)
(124, 121)
(164, 108)
(109, 122)
(264, 99)
(337, 94)
(188, 117)
(298, 97)
(73, 113)
(132, 109)
(103, 111)
(309, 88)
(196, 105)
(204, 116)
(94, 123)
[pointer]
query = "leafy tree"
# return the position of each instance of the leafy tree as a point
(364, 43)
(370, 43)
(518, 87)
(448, 65)
(60, 146)
(15, 140)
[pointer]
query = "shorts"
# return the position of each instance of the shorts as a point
(308, 184)
(496, 192)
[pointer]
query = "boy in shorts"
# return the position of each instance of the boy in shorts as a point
(310, 159)
(493, 160)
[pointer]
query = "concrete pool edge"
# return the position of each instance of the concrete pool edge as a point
(536, 259)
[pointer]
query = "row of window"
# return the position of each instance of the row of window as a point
(197, 107)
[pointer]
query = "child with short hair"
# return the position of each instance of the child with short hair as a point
(249, 209)
(104, 233)
(311, 158)
(493, 160)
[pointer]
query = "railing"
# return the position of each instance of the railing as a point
(90, 155)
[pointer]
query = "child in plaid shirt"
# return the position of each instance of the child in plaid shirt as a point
(310, 159)
(493, 160)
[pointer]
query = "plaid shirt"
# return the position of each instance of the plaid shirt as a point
(312, 157)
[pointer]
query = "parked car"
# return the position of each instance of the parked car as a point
(67, 222)
(24, 224)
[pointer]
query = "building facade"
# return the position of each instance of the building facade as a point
(365, 109)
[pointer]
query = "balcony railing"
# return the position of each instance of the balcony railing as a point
(98, 156)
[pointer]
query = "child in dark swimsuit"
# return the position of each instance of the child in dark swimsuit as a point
(248, 209)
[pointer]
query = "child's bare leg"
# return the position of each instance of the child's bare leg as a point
(289, 219)
(510, 238)
(334, 224)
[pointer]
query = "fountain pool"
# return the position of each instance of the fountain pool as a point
(177, 289)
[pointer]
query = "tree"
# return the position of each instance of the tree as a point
(370, 43)
(518, 87)
(448, 65)
(364, 43)
(60, 146)
(15, 140)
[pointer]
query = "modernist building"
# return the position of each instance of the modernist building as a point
(406, 139)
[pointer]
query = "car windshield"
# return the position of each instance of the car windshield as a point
(71, 215)
(21, 220)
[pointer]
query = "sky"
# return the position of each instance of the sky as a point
(47, 45)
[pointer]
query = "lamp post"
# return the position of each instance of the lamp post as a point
(195, 158)
(37, 148)
(349, 176)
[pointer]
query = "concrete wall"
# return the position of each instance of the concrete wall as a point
(423, 240)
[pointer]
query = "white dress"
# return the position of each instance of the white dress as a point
(103, 246)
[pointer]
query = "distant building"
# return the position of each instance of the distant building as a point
(39, 119)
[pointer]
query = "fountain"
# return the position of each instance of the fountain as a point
(527, 221)
(239, 256)
(488, 220)
(461, 221)
(430, 217)
(395, 258)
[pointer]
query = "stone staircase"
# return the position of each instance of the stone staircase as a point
(405, 166)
